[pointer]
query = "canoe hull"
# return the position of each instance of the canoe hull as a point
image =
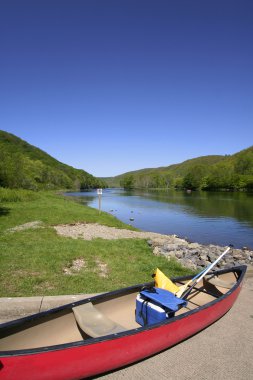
(102, 355)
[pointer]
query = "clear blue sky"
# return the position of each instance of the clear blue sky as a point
(113, 86)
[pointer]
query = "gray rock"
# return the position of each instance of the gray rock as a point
(172, 254)
(195, 255)
(170, 247)
(194, 246)
(211, 256)
(156, 251)
(180, 254)
(189, 264)
(203, 263)
(203, 257)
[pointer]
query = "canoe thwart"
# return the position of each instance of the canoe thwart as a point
(94, 323)
(221, 283)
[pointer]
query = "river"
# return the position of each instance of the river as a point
(205, 217)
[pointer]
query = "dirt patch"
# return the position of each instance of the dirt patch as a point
(102, 268)
(75, 267)
(26, 226)
(43, 286)
(26, 273)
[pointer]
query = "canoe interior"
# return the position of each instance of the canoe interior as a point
(60, 326)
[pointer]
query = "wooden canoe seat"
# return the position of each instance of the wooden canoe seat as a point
(93, 323)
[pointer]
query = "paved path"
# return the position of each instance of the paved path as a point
(223, 351)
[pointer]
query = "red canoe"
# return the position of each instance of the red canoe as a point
(93, 336)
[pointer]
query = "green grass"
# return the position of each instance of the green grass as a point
(51, 209)
(33, 260)
(16, 195)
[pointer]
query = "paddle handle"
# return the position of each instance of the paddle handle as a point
(200, 273)
(213, 264)
(184, 295)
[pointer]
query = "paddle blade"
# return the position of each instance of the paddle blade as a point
(163, 282)
(182, 289)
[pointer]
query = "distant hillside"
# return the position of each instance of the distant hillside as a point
(24, 166)
(233, 172)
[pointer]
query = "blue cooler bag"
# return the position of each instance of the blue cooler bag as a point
(155, 305)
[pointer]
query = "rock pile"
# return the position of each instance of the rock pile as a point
(197, 256)
(191, 255)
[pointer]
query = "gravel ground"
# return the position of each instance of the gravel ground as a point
(89, 231)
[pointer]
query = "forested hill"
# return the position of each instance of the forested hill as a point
(24, 166)
(230, 172)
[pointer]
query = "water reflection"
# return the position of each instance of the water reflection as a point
(215, 204)
(218, 218)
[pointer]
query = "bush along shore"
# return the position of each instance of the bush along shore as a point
(197, 256)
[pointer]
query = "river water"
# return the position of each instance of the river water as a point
(206, 217)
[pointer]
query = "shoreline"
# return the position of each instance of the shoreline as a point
(194, 255)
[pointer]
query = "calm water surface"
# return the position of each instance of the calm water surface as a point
(217, 217)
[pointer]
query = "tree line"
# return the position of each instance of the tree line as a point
(232, 173)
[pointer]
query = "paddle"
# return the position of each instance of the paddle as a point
(163, 282)
(187, 292)
(182, 288)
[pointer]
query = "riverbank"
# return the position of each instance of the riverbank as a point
(39, 255)
(36, 261)
(190, 255)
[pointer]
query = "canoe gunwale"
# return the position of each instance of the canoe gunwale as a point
(240, 270)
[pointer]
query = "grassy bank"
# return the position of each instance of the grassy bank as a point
(34, 261)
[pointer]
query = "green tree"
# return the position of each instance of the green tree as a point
(127, 182)
(157, 181)
(194, 179)
(221, 177)
(244, 164)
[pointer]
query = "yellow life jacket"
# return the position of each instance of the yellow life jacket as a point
(163, 282)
